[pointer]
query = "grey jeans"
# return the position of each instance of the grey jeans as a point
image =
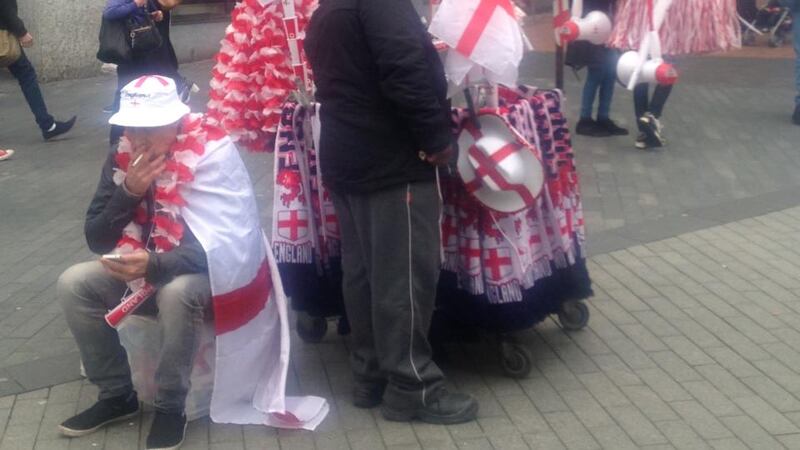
(87, 292)
(390, 264)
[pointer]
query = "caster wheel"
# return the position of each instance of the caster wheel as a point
(776, 41)
(574, 315)
(515, 359)
(311, 329)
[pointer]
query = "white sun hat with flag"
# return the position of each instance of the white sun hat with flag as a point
(498, 166)
(482, 34)
(149, 101)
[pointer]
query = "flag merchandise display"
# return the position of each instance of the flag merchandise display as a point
(501, 271)
(483, 34)
(255, 71)
(688, 26)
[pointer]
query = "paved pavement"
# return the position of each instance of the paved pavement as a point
(694, 336)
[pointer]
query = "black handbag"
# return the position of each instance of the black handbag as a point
(145, 37)
(115, 47)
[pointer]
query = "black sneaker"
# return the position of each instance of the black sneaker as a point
(586, 126)
(652, 127)
(167, 431)
(368, 395)
(612, 128)
(59, 128)
(641, 141)
(441, 408)
(100, 414)
(796, 115)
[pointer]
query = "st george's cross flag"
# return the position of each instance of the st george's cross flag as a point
(250, 307)
(483, 33)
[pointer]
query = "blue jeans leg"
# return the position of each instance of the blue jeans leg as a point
(594, 77)
(25, 74)
(606, 91)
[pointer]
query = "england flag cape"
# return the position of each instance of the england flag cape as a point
(250, 307)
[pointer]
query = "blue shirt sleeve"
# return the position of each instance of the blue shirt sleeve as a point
(119, 9)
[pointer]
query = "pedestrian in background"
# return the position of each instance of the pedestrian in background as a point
(601, 76)
(795, 6)
(25, 74)
(160, 61)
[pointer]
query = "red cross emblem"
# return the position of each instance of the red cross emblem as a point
(498, 264)
(478, 23)
(470, 253)
(292, 225)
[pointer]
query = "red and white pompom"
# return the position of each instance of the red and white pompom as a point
(690, 26)
(253, 75)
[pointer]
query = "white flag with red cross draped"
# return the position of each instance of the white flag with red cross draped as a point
(482, 33)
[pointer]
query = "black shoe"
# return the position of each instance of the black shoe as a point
(586, 126)
(796, 115)
(102, 413)
(612, 128)
(167, 431)
(641, 141)
(442, 408)
(59, 128)
(652, 128)
(368, 395)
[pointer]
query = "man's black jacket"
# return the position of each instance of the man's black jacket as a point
(112, 209)
(383, 93)
(9, 20)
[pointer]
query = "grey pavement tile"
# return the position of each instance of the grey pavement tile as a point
(465, 431)
(702, 421)
(397, 433)
(750, 433)
(612, 437)
(294, 441)
(46, 372)
(543, 441)
(728, 444)
(663, 385)
(681, 435)
(323, 441)
(474, 444)
(649, 403)
(771, 392)
(636, 425)
(224, 433)
(616, 370)
(571, 432)
(730, 360)
(587, 409)
(52, 444)
(645, 339)
(604, 390)
(778, 372)
(558, 374)
(543, 395)
(675, 366)
(712, 399)
(726, 383)
(236, 446)
(513, 441)
(365, 439)
(766, 416)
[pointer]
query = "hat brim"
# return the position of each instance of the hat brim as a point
(149, 117)
(502, 201)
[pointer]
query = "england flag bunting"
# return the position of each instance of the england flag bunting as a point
(481, 33)
(250, 307)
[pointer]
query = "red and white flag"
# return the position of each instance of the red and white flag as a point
(483, 33)
(250, 307)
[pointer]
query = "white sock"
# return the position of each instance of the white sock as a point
(52, 127)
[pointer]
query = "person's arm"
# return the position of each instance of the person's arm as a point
(9, 17)
(119, 9)
(188, 257)
(111, 209)
(395, 37)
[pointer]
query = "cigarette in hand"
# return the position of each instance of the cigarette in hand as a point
(136, 161)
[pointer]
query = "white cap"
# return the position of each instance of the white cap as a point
(149, 101)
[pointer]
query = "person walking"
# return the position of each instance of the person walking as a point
(385, 127)
(795, 7)
(24, 72)
(160, 61)
(601, 76)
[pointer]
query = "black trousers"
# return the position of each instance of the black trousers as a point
(654, 105)
(391, 262)
(23, 71)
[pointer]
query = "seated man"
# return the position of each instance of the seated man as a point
(176, 205)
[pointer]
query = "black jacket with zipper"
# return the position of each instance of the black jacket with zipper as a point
(383, 94)
(9, 18)
(112, 208)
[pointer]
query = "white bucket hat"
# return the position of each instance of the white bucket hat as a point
(498, 166)
(149, 101)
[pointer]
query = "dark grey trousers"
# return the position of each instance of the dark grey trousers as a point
(391, 263)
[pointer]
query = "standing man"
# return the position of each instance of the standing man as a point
(385, 128)
(25, 74)
(795, 5)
